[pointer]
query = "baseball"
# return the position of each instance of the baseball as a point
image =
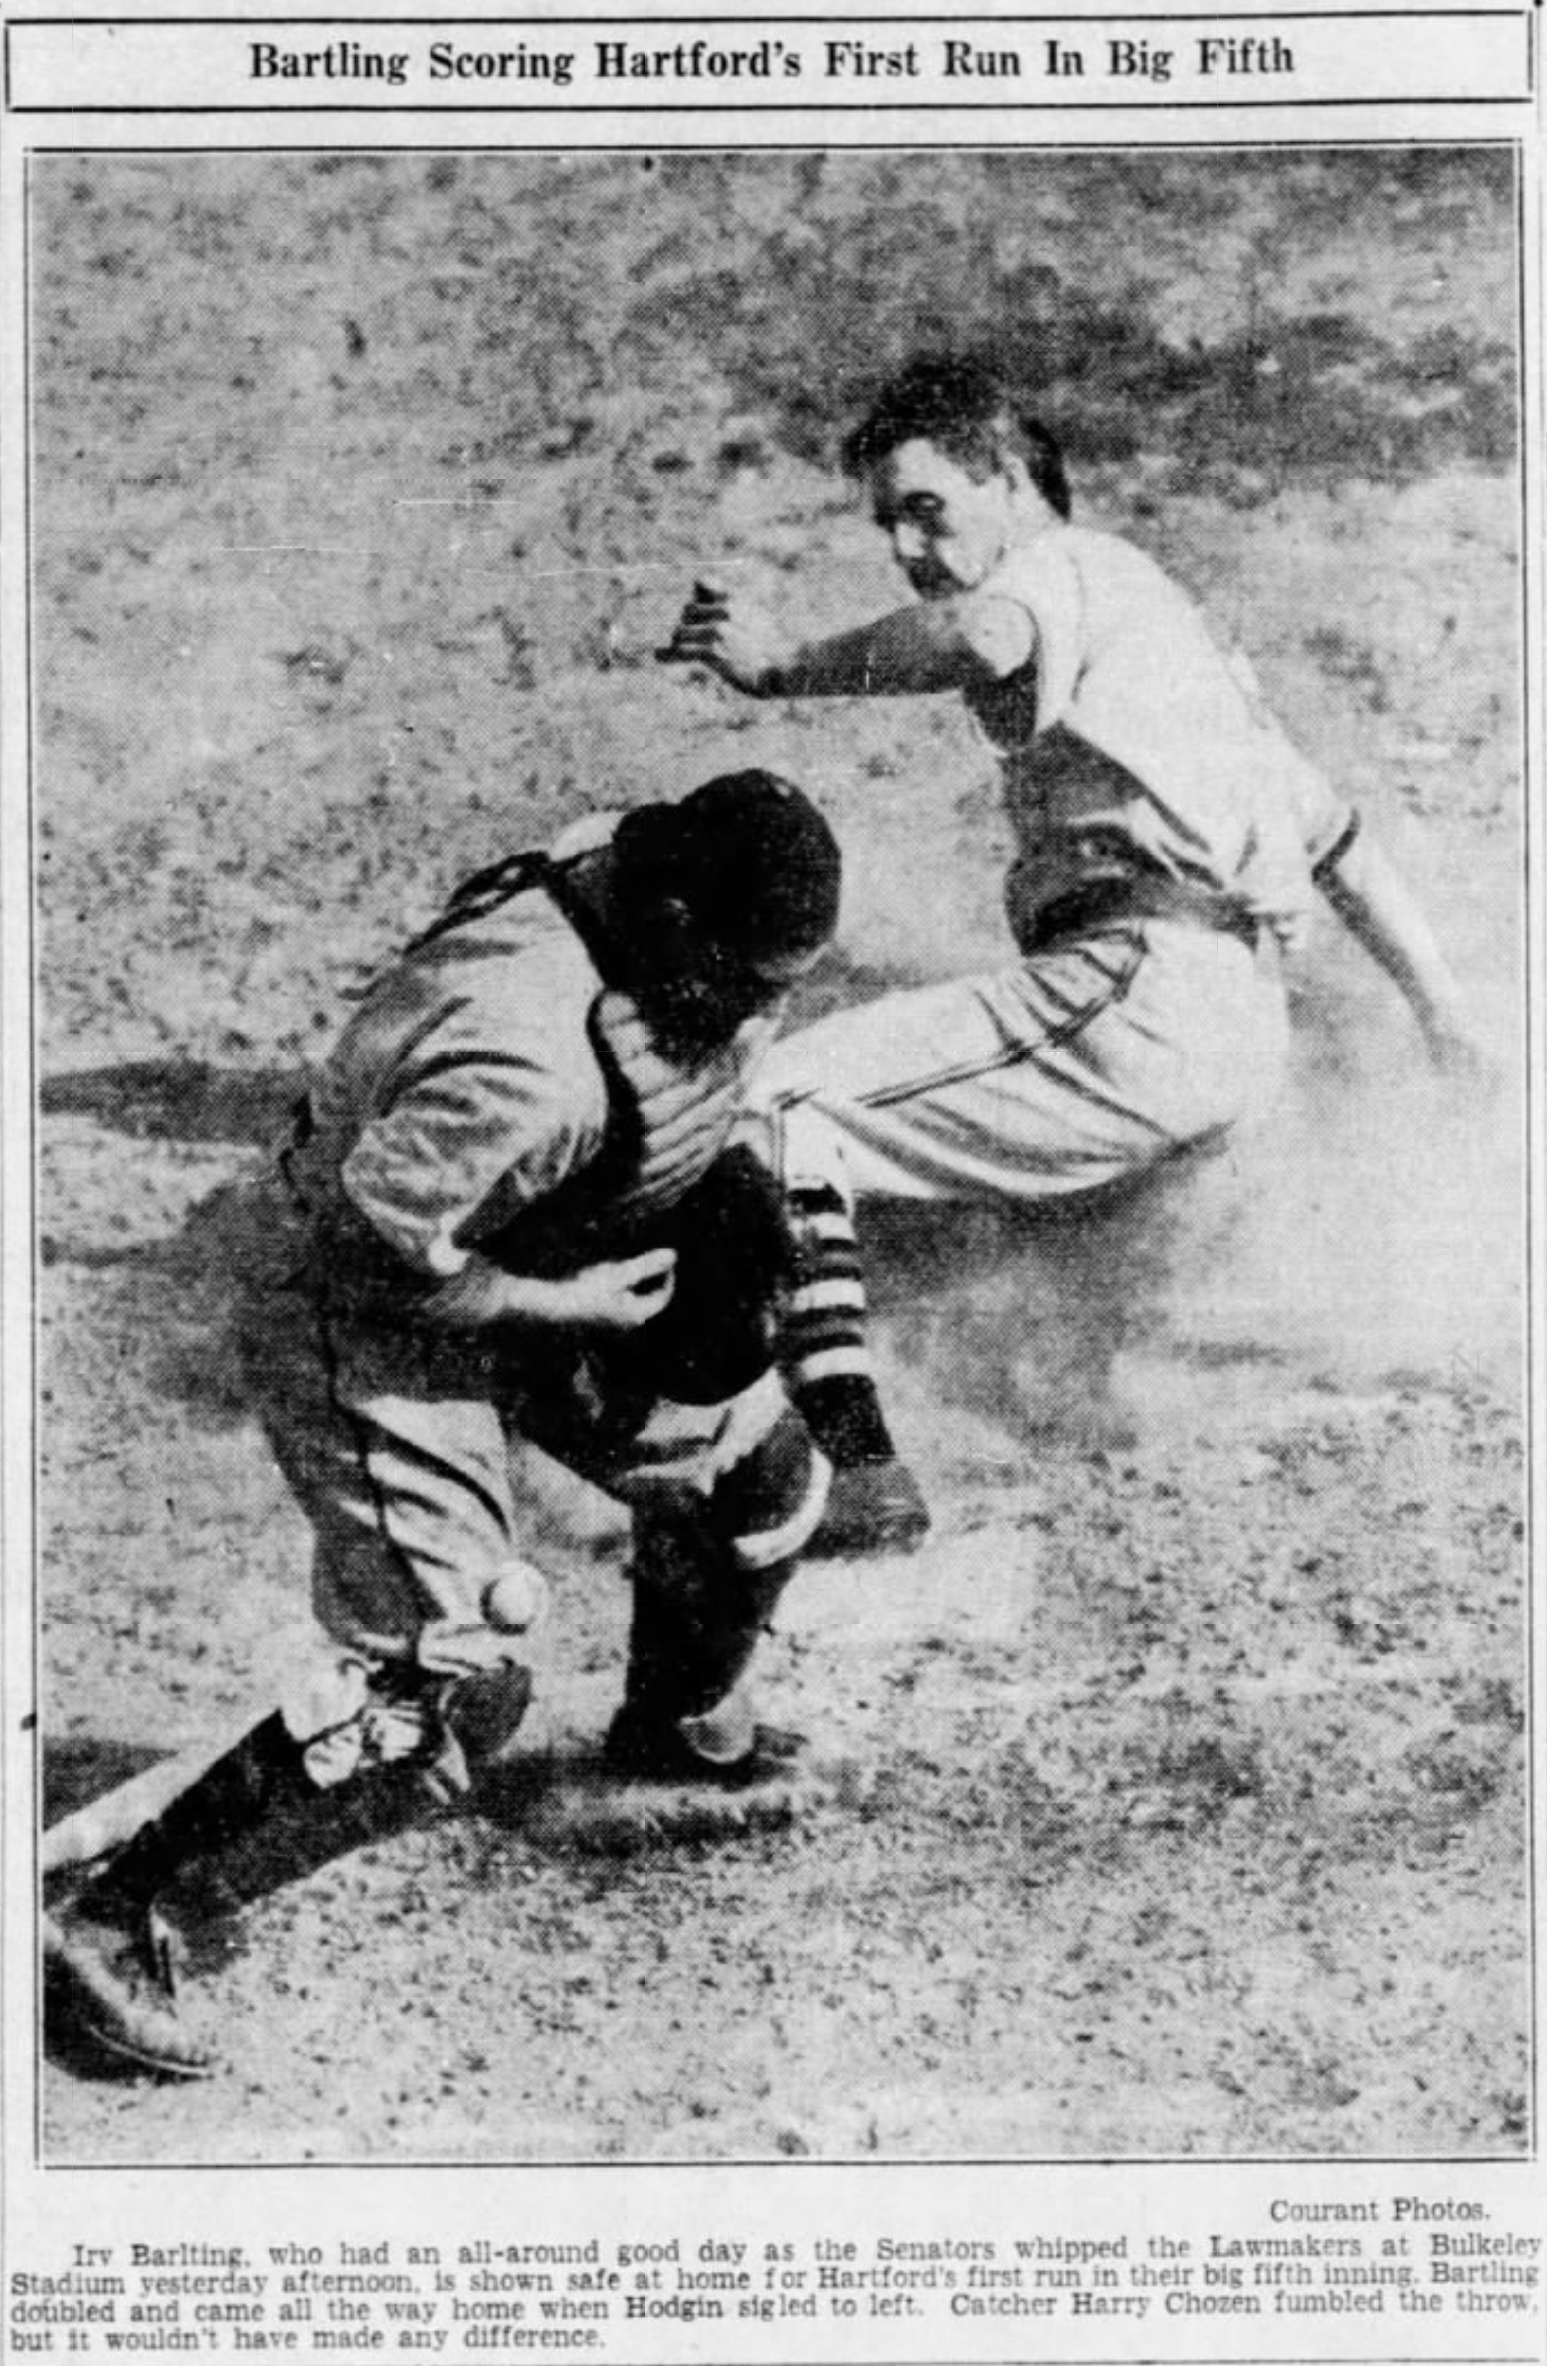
(516, 1599)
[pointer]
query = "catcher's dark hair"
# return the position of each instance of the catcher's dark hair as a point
(747, 855)
(966, 408)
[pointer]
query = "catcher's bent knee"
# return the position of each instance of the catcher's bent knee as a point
(748, 1475)
(769, 1503)
(748, 1450)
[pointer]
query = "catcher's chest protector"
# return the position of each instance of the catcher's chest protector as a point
(673, 1116)
(670, 1115)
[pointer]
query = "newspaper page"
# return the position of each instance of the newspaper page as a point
(1085, 1377)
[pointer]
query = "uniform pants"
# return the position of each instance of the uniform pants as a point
(1072, 1071)
(1069, 1071)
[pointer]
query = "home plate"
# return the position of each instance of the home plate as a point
(570, 1800)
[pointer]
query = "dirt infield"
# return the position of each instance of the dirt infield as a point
(1171, 1800)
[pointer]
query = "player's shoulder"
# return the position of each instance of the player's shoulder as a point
(1056, 561)
(1100, 550)
(508, 916)
(1125, 588)
(508, 984)
(1071, 580)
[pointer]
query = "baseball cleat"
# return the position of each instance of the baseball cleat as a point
(116, 1987)
(872, 1507)
(639, 1750)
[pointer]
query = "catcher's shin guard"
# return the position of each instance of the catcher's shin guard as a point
(275, 1807)
(109, 1955)
(417, 1750)
(696, 1622)
(257, 1819)
(698, 1614)
(261, 1775)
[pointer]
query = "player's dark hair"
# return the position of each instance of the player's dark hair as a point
(966, 409)
(747, 855)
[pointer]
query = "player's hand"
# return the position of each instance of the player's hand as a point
(733, 636)
(622, 1295)
(1459, 1053)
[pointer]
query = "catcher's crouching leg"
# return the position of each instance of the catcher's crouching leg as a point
(726, 1482)
(707, 1578)
(367, 1753)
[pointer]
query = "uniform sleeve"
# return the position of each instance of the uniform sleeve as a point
(1324, 821)
(1040, 578)
(495, 1102)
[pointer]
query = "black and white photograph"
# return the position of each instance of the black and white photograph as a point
(931, 1567)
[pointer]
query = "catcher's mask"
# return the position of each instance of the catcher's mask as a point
(729, 897)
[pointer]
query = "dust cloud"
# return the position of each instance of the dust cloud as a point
(1367, 1232)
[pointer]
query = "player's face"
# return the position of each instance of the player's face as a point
(947, 529)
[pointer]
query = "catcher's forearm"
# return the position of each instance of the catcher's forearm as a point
(483, 1294)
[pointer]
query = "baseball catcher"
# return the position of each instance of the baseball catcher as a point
(511, 1207)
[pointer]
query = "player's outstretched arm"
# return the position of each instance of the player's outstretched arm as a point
(947, 644)
(1374, 902)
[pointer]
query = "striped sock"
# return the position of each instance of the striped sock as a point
(823, 1349)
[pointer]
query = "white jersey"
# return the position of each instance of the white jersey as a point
(1130, 740)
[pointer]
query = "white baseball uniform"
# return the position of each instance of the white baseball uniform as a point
(1166, 834)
